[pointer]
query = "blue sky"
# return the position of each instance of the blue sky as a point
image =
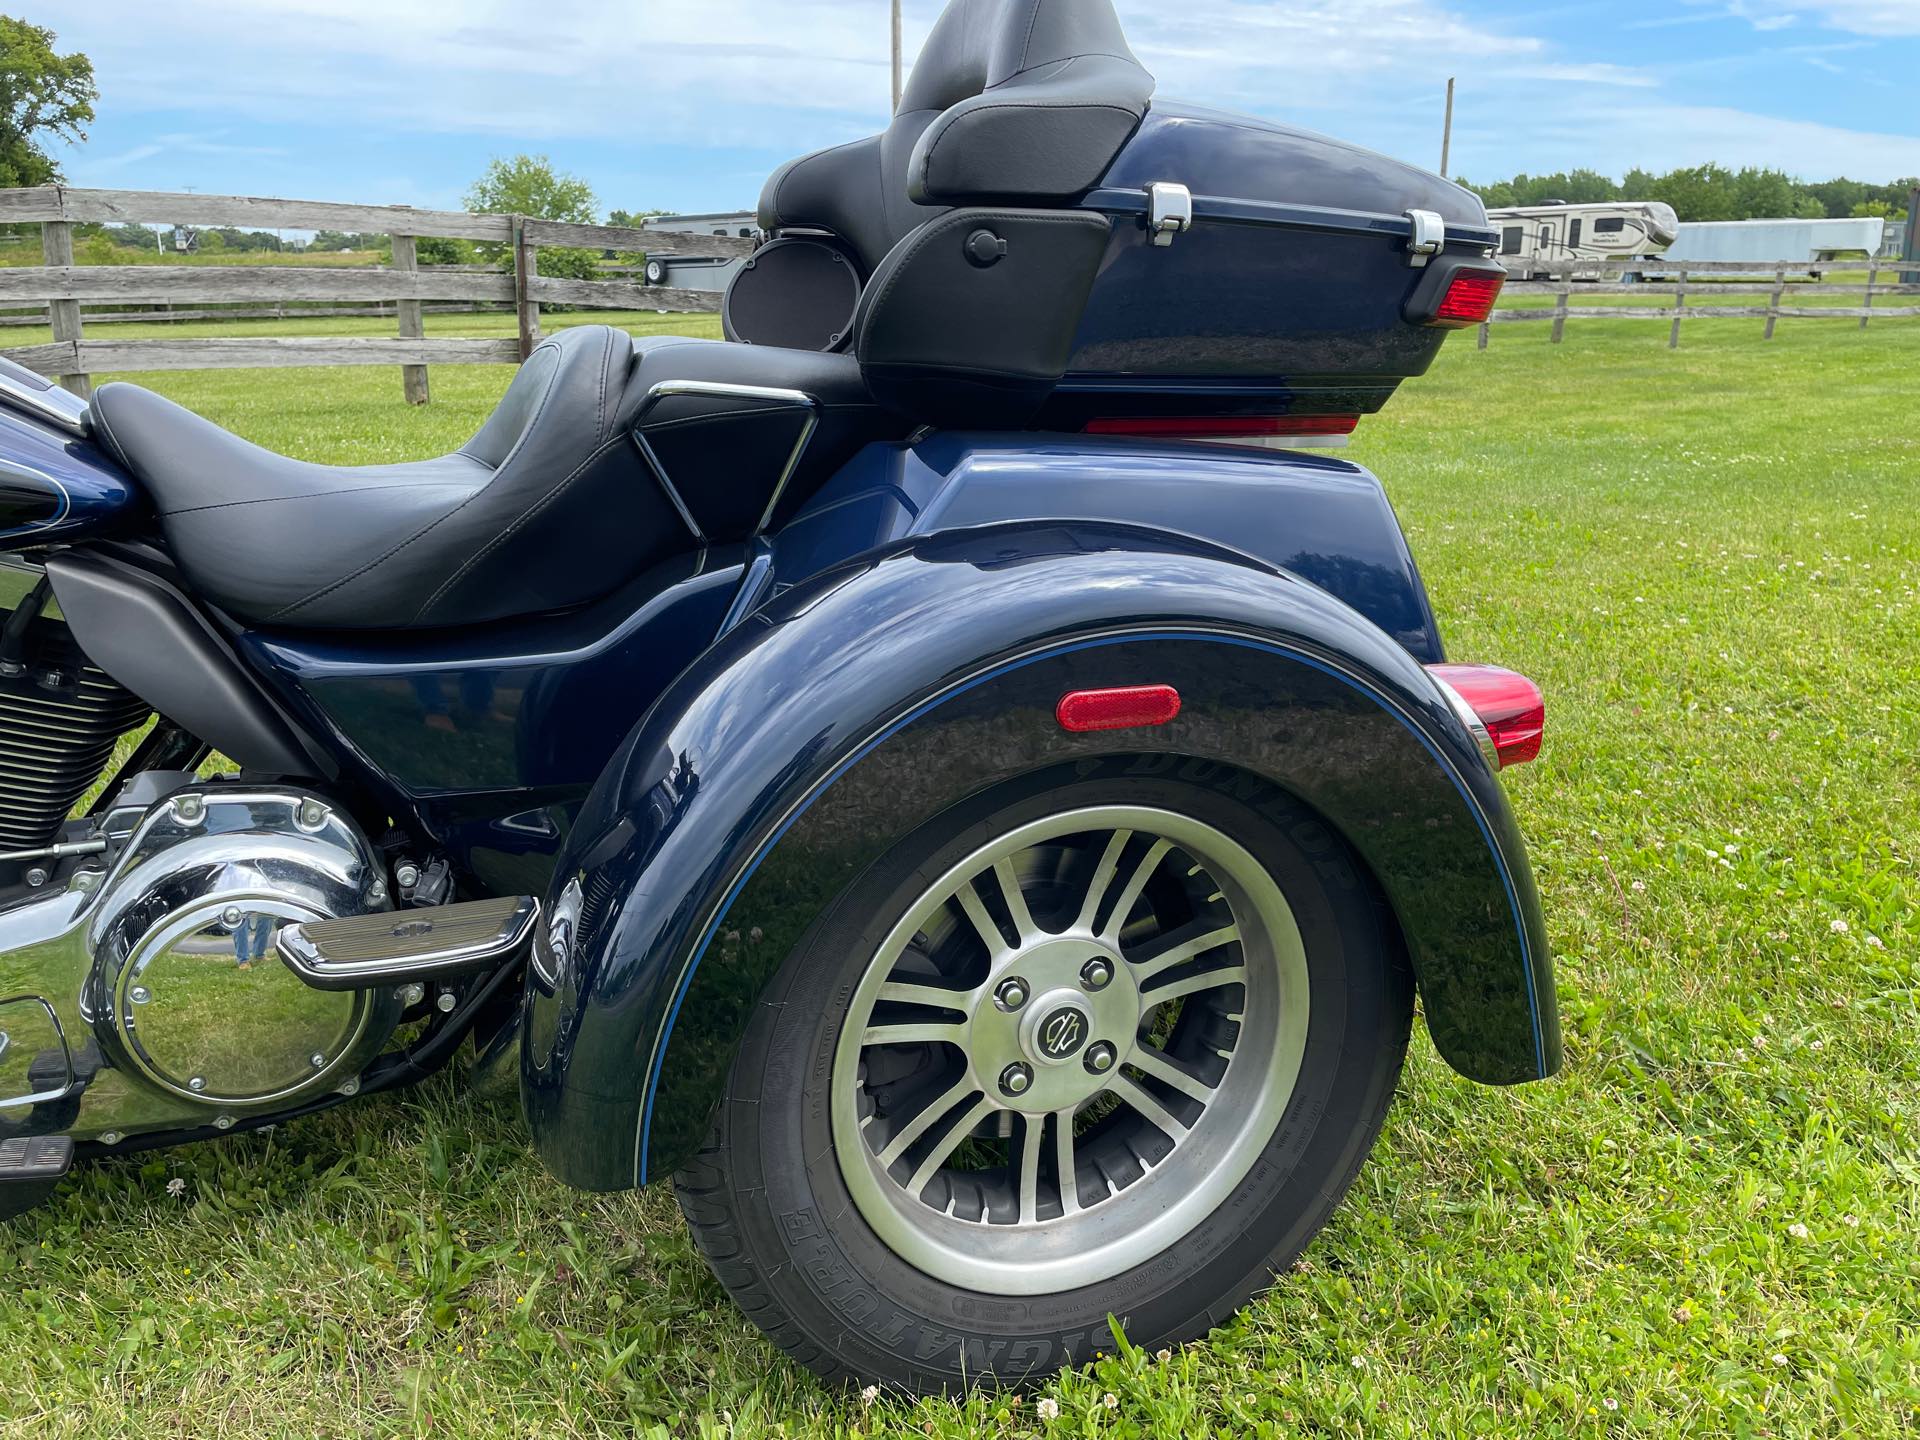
(688, 106)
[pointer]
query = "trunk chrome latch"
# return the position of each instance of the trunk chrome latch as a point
(1429, 237)
(1169, 210)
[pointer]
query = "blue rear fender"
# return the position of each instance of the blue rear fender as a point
(853, 708)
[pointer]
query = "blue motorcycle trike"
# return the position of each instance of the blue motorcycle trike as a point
(943, 776)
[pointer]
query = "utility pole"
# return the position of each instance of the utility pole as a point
(896, 54)
(1446, 133)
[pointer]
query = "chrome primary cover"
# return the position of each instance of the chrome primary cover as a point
(165, 962)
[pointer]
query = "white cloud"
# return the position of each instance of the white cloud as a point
(1860, 17)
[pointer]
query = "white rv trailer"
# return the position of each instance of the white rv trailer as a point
(1804, 244)
(1614, 230)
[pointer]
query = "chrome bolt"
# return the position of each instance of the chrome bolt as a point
(317, 1060)
(111, 1137)
(412, 995)
(190, 808)
(85, 881)
(311, 814)
(1016, 1079)
(140, 995)
(446, 1002)
(407, 876)
(1096, 974)
(377, 891)
(197, 1084)
(1011, 994)
(230, 915)
(223, 1122)
(1100, 1057)
(351, 1088)
(36, 877)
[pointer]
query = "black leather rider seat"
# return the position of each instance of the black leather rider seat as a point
(552, 504)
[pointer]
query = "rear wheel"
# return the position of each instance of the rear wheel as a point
(1106, 1045)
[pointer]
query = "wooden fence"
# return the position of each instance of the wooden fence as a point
(1702, 300)
(409, 286)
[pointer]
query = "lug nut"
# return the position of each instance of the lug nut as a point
(1100, 1057)
(1096, 974)
(1011, 995)
(1016, 1079)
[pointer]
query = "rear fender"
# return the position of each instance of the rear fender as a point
(856, 706)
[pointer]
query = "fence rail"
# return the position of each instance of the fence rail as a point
(409, 287)
(1594, 278)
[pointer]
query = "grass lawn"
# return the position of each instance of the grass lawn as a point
(1710, 559)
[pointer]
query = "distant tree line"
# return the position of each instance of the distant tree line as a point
(1710, 192)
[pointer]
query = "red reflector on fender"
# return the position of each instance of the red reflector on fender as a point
(1507, 704)
(1469, 299)
(1220, 427)
(1126, 707)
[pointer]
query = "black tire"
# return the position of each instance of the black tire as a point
(769, 1207)
(656, 272)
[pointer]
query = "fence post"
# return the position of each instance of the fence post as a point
(1484, 328)
(1679, 304)
(56, 248)
(1773, 305)
(413, 325)
(525, 261)
(1560, 305)
(1873, 277)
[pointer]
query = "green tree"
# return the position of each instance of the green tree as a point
(43, 95)
(529, 185)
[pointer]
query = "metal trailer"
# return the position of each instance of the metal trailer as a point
(1768, 242)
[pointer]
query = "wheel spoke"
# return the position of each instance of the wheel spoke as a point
(1016, 901)
(1194, 984)
(1152, 1062)
(916, 1032)
(1136, 882)
(948, 1142)
(990, 935)
(1102, 877)
(908, 992)
(930, 1113)
(1032, 1136)
(1156, 1114)
(1063, 1161)
(1186, 946)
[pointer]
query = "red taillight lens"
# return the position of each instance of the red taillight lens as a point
(1219, 427)
(1469, 298)
(1125, 707)
(1507, 704)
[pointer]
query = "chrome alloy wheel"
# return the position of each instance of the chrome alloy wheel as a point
(1070, 1050)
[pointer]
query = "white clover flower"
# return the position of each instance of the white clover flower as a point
(1839, 927)
(1874, 942)
(1163, 1355)
(870, 1394)
(1611, 1403)
(176, 1187)
(1110, 1400)
(1359, 1362)
(1852, 1222)
(1799, 1231)
(1780, 1362)
(1048, 1409)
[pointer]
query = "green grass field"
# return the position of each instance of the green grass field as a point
(1706, 1226)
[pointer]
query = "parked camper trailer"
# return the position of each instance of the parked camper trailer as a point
(1616, 230)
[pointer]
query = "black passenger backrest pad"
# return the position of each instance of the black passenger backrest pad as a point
(971, 319)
